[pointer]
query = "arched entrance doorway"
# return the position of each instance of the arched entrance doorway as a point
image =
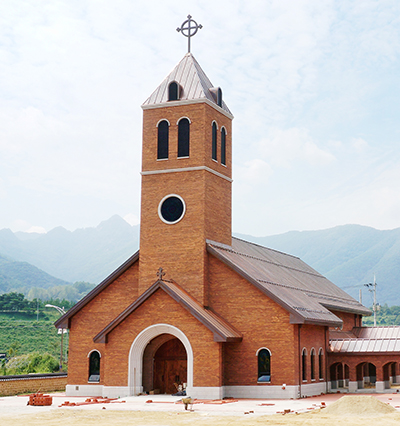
(144, 349)
(170, 367)
(164, 365)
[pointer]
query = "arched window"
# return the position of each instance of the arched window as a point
(173, 91)
(304, 364)
(264, 365)
(183, 137)
(312, 363)
(219, 97)
(94, 366)
(162, 140)
(214, 140)
(320, 364)
(223, 146)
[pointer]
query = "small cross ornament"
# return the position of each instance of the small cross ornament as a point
(160, 273)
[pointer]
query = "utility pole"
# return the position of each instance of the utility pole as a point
(372, 288)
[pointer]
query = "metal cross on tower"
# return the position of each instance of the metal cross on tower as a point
(189, 28)
(160, 274)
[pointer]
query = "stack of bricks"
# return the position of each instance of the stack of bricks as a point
(40, 399)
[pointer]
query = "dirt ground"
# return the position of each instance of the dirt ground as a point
(346, 411)
(122, 418)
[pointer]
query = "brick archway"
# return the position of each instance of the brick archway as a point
(135, 371)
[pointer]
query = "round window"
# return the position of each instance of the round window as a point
(171, 209)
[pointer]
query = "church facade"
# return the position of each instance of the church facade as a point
(196, 308)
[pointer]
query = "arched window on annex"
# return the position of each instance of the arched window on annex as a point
(304, 364)
(320, 364)
(183, 137)
(162, 139)
(173, 91)
(223, 146)
(94, 366)
(312, 363)
(264, 365)
(214, 141)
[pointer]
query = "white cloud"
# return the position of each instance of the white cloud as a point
(359, 144)
(310, 83)
(36, 229)
(286, 147)
(132, 219)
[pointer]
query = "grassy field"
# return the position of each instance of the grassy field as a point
(24, 334)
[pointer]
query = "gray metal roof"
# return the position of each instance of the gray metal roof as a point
(286, 279)
(367, 339)
(194, 83)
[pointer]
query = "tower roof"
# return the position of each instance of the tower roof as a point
(194, 86)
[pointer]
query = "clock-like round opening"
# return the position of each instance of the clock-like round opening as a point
(171, 209)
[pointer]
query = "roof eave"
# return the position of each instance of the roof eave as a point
(360, 311)
(218, 336)
(64, 321)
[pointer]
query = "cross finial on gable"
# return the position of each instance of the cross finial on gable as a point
(189, 28)
(160, 273)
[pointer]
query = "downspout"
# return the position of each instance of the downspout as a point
(300, 359)
(326, 360)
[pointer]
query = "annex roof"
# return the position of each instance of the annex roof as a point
(222, 330)
(290, 282)
(366, 340)
(63, 322)
(195, 85)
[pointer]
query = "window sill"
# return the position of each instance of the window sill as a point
(162, 159)
(179, 158)
(224, 165)
(215, 161)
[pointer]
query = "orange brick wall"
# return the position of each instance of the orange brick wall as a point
(92, 318)
(313, 336)
(201, 117)
(262, 322)
(10, 387)
(161, 308)
(353, 360)
(349, 320)
(180, 248)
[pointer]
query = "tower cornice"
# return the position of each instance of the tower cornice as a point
(185, 169)
(188, 102)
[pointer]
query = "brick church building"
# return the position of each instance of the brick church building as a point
(198, 308)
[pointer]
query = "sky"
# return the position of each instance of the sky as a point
(313, 86)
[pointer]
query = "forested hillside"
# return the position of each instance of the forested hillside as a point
(88, 254)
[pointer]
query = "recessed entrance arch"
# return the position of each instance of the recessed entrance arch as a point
(136, 354)
(390, 374)
(366, 375)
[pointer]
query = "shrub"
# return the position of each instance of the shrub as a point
(31, 363)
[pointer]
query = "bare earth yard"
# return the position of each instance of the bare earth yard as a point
(348, 410)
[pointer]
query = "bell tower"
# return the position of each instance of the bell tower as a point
(186, 178)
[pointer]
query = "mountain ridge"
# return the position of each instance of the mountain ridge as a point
(348, 255)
